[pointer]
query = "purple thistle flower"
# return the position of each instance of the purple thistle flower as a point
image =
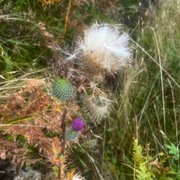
(78, 124)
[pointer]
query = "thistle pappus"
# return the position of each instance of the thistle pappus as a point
(105, 47)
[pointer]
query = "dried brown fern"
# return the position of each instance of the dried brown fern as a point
(36, 116)
(17, 154)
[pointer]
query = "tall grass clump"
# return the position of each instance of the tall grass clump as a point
(148, 104)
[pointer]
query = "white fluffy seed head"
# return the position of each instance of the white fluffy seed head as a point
(106, 47)
(98, 107)
(78, 177)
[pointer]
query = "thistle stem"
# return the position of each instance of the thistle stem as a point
(63, 126)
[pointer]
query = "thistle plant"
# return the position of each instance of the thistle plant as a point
(103, 51)
(74, 131)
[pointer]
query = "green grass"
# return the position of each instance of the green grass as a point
(148, 104)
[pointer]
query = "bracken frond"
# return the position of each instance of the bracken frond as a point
(32, 118)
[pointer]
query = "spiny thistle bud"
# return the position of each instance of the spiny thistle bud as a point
(62, 89)
(71, 135)
(74, 131)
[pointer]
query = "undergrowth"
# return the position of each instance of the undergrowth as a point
(148, 104)
(140, 137)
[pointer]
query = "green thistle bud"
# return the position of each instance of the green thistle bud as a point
(62, 89)
(74, 131)
(71, 135)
